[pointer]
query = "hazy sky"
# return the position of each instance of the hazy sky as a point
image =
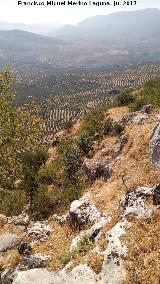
(11, 12)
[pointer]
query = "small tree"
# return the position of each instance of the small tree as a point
(124, 99)
(85, 142)
(20, 128)
(71, 158)
(31, 164)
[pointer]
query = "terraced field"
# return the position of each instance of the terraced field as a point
(66, 95)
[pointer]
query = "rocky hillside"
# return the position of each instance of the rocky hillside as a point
(111, 233)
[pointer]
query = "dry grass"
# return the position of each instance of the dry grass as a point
(11, 260)
(131, 170)
(12, 229)
(57, 244)
(95, 262)
(143, 261)
(134, 164)
(117, 113)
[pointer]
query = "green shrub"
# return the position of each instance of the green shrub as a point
(83, 247)
(50, 173)
(34, 160)
(85, 142)
(48, 201)
(67, 125)
(125, 99)
(138, 104)
(118, 128)
(71, 158)
(108, 126)
(92, 123)
(65, 258)
(71, 191)
(45, 203)
(31, 164)
(12, 202)
(151, 92)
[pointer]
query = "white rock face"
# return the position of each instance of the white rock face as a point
(98, 168)
(113, 271)
(80, 275)
(21, 220)
(92, 233)
(113, 237)
(8, 241)
(36, 276)
(155, 146)
(134, 202)
(83, 211)
(39, 231)
(138, 119)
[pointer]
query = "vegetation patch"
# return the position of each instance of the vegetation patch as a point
(95, 262)
(12, 202)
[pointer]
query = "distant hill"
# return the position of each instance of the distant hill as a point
(18, 47)
(113, 26)
(119, 39)
(33, 28)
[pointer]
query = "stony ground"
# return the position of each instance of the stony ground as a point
(108, 236)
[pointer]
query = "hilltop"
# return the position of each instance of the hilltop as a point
(100, 41)
(21, 47)
(33, 28)
(92, 213)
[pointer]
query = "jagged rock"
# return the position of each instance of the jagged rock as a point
(24, 248)
(34, 261)
(90, 234)
(113, 237)
(136, 118)
(112, 270)
(97, 169)
(27, 264)
(122, 142)
(8, 241)
(155, 146)
(134, 202)
(83, 212)
(139, 118)
(127, 118)
(36, 276)
(156, 195)
(80, 274)
(157, 118)
(21, 220)
(39, 231)
(61, 219)
(147, 109)
(7, 276)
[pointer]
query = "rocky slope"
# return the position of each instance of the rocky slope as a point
(109, 235)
